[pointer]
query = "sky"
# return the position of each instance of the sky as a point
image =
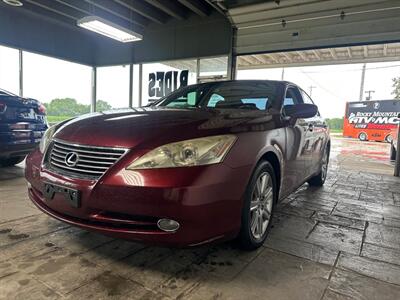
(47, 78)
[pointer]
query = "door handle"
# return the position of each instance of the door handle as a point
(310, 127)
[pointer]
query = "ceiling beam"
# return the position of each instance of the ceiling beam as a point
(169, 7)
(119, 11)
(87, 9)
(349, 52)
(257, 59)
(288, 57)
(385, 47)
(365, 48)
(333, 53)
(196, 6)
(317, 55)
(57, 9)
(245, 59)
(144, 9)
(302, 55)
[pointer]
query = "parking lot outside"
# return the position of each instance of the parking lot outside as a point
(341, 241)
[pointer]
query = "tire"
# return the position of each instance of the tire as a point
(254, 230)
(319, 179)
(392, 152)
(363, 137)
(8, 162)
(389, 139)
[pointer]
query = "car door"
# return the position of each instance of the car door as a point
(319, 136)
(298, 145)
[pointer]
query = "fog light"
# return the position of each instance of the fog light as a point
(168, 225)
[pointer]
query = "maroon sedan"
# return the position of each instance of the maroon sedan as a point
(206, 163)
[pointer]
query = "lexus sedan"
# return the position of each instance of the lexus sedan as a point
(208, 162)
(22, 125)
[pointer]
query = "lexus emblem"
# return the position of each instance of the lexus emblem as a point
(71, 159)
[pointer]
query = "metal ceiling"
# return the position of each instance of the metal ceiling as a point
(172, 29)
(329, 56)
(132, 14)
(271, 26)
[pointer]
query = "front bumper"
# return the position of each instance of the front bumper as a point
(205, 200)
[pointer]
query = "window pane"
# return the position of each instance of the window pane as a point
(217, 66)
(112, 87)
(64, 87)
(160, 79)
(9, 69)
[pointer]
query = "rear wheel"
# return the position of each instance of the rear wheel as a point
(363, 136)
(319, 179)
(8, 162)
(389, 138)
(260, 196)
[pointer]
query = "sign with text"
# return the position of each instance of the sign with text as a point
(163, 83)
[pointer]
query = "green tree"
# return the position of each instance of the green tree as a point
(69, 107)
(396, 88)
(102, 105)
(335, 123)
(66, 107)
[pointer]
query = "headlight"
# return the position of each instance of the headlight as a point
(45, 141)
(195, 152)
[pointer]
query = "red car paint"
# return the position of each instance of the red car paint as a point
(206, 200)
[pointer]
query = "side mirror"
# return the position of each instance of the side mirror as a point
(300, 111)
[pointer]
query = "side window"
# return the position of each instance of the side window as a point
(214, 99)
(306, 98)
(292, 97)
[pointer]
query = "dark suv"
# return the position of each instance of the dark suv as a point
(22, 124)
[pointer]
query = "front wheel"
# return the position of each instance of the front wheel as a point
(362, 136)
(320, 178)
(8, 162)
(259, 199)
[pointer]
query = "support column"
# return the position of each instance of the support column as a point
(140, 84)
(197, 70)
(362, 82)
(397, 162)
(94, 90)
(21, 74)
(232, 57)
(130, 85)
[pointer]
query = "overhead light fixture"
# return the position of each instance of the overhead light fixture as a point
(13, 2)
(109, 29)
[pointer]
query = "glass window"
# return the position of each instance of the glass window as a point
(217, 66)
(306, 98)
(161, 79)
(64, 87)
(257, 96)
(292, 97)
(9, 69)
(112, 87)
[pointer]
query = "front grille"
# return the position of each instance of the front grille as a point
(88, 161)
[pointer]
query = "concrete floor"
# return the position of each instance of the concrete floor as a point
(341, 241)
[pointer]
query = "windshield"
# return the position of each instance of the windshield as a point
(239, 95)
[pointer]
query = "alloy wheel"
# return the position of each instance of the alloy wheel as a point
(261, 205)
(324, 168)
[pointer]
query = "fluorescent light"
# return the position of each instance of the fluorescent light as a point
(109, 29)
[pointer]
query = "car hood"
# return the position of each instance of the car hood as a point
(153, 126)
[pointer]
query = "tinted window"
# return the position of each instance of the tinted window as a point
(306, 98)
(292, 97)
(240, 95)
